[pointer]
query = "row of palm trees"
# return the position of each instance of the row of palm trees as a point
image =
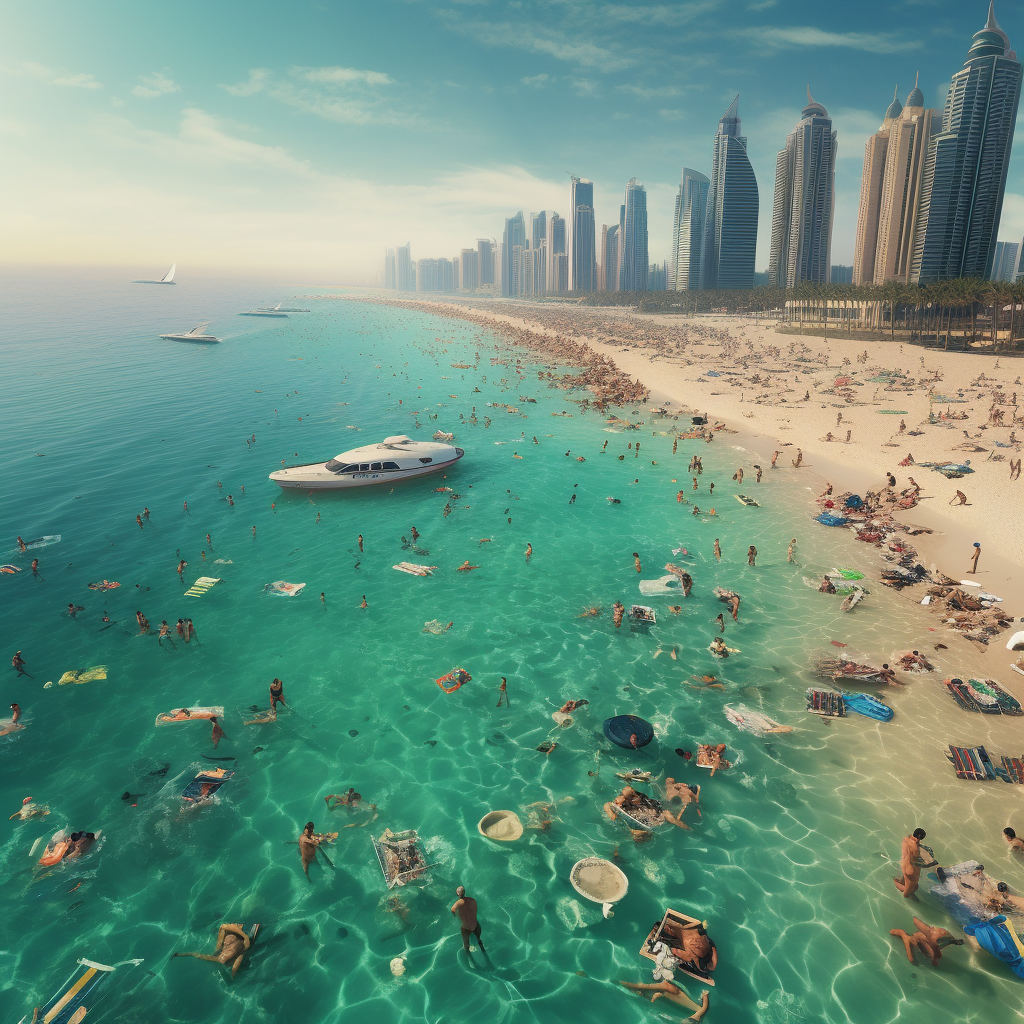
(967, 310)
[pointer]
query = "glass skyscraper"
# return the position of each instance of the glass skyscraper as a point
(633, 264)
(802, 214)
(515, 235)
(968, 159)
(688, 226)
(581, 240)
(730, 234)
(556, 247)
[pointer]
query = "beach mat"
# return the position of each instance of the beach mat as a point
(201, 586)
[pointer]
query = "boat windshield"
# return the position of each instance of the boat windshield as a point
(334, 466)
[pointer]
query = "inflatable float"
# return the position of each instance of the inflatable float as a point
(205, 583)
(79, 995)
(205, 785)
(193, 714)
(868, 706)
(628, 731)
(1002, 939)
(453, 680)
(415, 570)
(600, 881)
(668, 935)
(753, 721)
(400, 856)
(83, 675)
(501, 826)
(745, 499)
(282, 588)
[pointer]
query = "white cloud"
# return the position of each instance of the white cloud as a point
(650, 93)
(156, 84)
(537, 81)
(584, 87)
(342, 76)
(72, 80)
(810, 36)
(258, 78)
(672, 115)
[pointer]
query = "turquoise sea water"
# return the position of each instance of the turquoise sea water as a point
(791, 864)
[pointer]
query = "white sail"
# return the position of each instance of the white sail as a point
(200, 328)
(169, 276)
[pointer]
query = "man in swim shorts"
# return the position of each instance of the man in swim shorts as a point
(308, 844)
(465, 909)
(911, 863)
(232, 944)
(1016, 845)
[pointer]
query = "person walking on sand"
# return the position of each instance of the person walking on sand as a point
(775, 456)
(465, 909)
(751, 555)
(799, 460)
(974, 561)
(959, 499)
(218, 732)
(911, 863)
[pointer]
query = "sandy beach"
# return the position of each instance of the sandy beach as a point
(782, 391)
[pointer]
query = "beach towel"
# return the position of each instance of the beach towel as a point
(201, 586)
(281, 588)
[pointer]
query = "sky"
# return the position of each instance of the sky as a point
(304, 138)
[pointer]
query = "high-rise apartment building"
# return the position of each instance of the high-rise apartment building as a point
(688, 227)
(890, 193)
(538, 228)
(967, 162)
(390, 281)
(405, 269)
(581, 240)
(1004, 262)
(804, 204)
(633, 264)
(555, 247)
(559, 282)
(514, 235)
(469, 270)
(435, 275)
(485, 249)
(657, 277)
(730, 232)
(609, 277)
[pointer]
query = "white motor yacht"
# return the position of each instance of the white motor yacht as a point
(394, 458)
(196, 334)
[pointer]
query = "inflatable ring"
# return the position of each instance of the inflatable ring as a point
(453, 680)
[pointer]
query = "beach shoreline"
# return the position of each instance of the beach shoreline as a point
(995, 516)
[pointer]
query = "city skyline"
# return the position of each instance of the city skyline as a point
(311, 142)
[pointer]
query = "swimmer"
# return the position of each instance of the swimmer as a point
(351, 799)
(718, 551)
(826, 586)
(466, 567)
(18, 663)
(465, 908)
(181, 569)
(590, 613)
(791, 551)
(21, 545)
(683, 792)
(718, 648)
(165, 633)
(363, 604)
(675, 609)
(720, 619)
(928, 939)
(528, 553)
(636, 561)
(30, 810)
(1016, 845)
(308, 846)
(618, 610)
(673, 993)
(143, 622)
(706, 682)
(751, 555)
(232, 944)
(276, 694)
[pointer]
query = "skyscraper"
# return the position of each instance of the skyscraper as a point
(730, 232)
(539, 243)
(538, 228)
(609, 258)
(869, 211)
(556, 247)
(405, 269)
(485, 249)
(688, 226)
(389, 270)
(633, 264)
(968, 158)
(469, 270)
(581, 248)
(515, 235)
(805, 174)
(1004, 263)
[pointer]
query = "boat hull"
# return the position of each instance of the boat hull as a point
(201, 339)
(333, 482)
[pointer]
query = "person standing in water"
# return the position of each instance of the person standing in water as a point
(636, 561)
(181, 569)
(911, 863)
(360, 542)
(791, 551)
(528, 552)
(751, 555)
(503, 693)
(277, 695)
(218, 733)
(465, 909)
(618, 610)
(718, 551)
(308, 844)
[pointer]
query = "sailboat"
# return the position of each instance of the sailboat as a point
(196, 334)
(168, 278)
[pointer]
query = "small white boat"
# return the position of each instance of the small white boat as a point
(393, 459)
(196, 334)
(277, 309)
(168, 278)
(264, 311)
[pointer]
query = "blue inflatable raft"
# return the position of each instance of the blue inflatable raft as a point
(870, 707)
(1000, 938)
(628, 731)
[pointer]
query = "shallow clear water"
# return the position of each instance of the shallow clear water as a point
(791, 864)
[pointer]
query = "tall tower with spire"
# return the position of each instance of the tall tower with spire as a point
(890, 193)
(967, 162)
(730, 230)
(805, 173)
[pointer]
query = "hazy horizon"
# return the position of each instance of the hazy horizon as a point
(302, 141)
